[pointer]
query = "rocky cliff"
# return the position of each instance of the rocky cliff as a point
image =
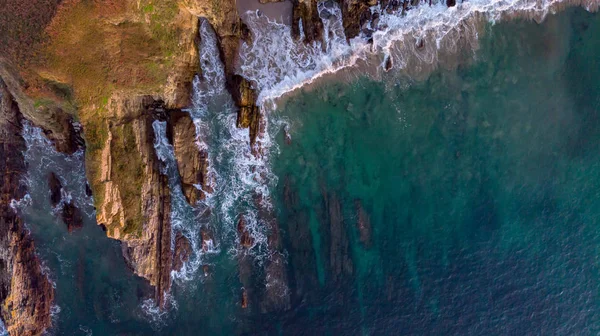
(26, 294)
(115, 67)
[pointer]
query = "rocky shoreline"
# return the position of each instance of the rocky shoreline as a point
(116, 112)
(25, 291)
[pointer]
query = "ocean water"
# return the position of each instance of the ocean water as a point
(464, 203)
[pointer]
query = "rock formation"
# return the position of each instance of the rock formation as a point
(192, 161)
(70, 214)
(131, 195)
(26, 294)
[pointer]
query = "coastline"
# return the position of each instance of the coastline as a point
(416, 51)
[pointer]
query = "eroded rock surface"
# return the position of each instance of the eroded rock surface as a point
(192, 160)
(131, 194)
(25, 291)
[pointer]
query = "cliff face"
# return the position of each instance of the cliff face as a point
(131, 194)
(26, 294)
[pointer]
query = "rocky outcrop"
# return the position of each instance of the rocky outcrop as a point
(26, 294)
(356, 14)
(305, 16)
(55, 189)
(70, 214)
(246, 241)
(231, 31)
(182, 252)
(131, 195)
(192, 160)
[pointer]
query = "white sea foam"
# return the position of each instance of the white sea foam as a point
(280, 64)
(184, 218)
(157, 316)
(236, 175)
(3, 331)
(42, 158)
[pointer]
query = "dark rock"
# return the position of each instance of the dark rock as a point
(388, 64)
(245, 97)
(312, 26)
(339, 245)
(72, 217)
(246, 241)
(182, 252)
(206, 238)
(55, 189)
(450, 3)
(88, 190)
(26, 294)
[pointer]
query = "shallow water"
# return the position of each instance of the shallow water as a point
(479, 186)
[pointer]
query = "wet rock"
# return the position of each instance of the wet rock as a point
(192, 161)
(71, 215)
(26, 294)
(55, 189)
(88, 190)
(306, 16)
(388, 64)
(245, 97)
(182, 252)
(206, 239)
(356, 14)
(246, 241)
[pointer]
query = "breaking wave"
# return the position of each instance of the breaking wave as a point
(414, 40)
(236, 175)
(42, 158)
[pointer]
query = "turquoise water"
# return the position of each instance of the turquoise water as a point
(480, 186)
(463, 204)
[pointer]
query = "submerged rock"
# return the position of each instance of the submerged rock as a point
(363, 224)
